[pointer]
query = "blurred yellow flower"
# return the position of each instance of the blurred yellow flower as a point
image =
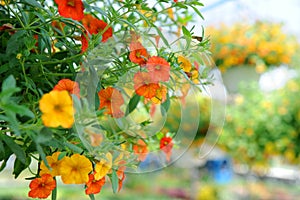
(185, 64)
(75, 169)
(103, 167)
(239, 100)
(53, 163)
(57, 109)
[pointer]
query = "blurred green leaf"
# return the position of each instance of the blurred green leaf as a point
(18, 151)
(9, 83)
(20, 109)
(114, 181)
(34, 3)
(186, 32)
(73, 147)
(20, 166)
(44, 136)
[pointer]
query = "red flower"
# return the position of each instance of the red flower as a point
(121, 182)
(66, 84)
(7, 27)
(141, 150)
(138, 53)
(166, 146)
(70, 8)
(94, 186)
(112, 100)
(144, 85)
(95, 26)
(42, 187)
(158, 68)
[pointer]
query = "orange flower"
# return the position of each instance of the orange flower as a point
(95, 26)
(144, 85)
(141, 150)
(160, 96)
(54, 163)
(138, 53)
(121, 182)
(66, 84)
(166, 146)
(112, 100)
(70, 8)
(42, 187)
(94, 186)
(158, 68)
(121, 174)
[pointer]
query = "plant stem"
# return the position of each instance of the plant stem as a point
(54, 192)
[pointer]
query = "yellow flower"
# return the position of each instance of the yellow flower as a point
(54, 163)
(185, 64)
(239, 100)
(103, 167)
(57, 109)
(75, 169)
(19, 55)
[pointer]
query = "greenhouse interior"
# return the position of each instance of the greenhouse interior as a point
(211, 110)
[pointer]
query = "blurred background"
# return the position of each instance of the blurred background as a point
(255, 46)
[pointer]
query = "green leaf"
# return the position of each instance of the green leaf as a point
(34, 3)
(42, 154)
(61, 155)
(5, 95)
(197, 11)
(181, 5)
(74, 148)
(2, 150)
(133, 103)
(9, 83)
(18, 151)
(44, 136)
(14, 43)
(186, 32)
(114, 181)
(20, 109)
(162, 36)
(20, 166)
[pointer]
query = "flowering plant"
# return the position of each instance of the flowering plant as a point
(82, 81)
(262, 126)
(261, 45)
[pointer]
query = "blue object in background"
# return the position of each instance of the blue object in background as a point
(220, 169)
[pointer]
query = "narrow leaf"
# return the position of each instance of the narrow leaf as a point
(186, 32)
(114, 181)
(18, 151)
(133, 103)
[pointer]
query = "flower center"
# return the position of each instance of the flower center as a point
(157, 67)
(58, 108)
(71, 3)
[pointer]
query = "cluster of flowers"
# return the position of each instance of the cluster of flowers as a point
(250, 44)
(56, 122)
(57, 110)
(273, 133)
